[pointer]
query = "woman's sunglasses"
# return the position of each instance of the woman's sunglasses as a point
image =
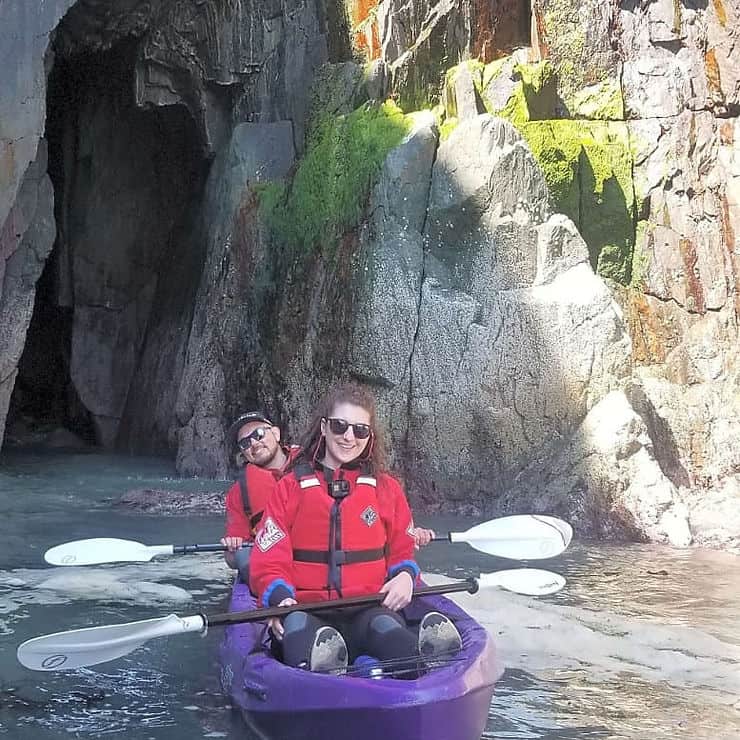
(340, 426)
(256, 436)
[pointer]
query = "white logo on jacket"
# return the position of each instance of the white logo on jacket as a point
(369, 516)
(269, 535)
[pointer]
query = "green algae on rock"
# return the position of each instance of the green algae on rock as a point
(328, 192)
(588, 169)
(603, 102)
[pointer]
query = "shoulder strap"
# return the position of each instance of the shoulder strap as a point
(254, 517)
(303, 470)
(244, 491)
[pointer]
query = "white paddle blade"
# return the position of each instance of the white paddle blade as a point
(527, 581)
(520, 537)
(65, 651)
(104, 550)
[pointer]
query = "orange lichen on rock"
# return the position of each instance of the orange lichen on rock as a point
(719, 9)
(362, 14)
(648, 340)
(714, 83)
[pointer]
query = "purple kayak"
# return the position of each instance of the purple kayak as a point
(449, 702)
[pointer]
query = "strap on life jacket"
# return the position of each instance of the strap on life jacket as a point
(343, 557)
(254, 520)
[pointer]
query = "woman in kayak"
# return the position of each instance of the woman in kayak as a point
(339, 525)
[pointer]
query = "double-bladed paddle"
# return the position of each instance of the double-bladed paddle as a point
(521, 537)
(92, 645)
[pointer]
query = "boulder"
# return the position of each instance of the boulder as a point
(171, 503)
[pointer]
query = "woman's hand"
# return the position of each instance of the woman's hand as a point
(398, 591)
(275, 623)
(422, 537)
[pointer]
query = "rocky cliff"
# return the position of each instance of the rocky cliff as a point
(537, 270)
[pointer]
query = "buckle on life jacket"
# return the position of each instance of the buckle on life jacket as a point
(339, 489)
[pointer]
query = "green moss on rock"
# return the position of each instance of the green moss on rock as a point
(588, 169)
(532, 96)
(565, 36)
(447, 127)
(329, 190)
(599, 102)
(557, 147)
(640, 257)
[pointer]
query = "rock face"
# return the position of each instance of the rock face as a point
(224, 358)
(25, 242)
(141, 96)
(509, 351)
(476, 315)
(546, 306)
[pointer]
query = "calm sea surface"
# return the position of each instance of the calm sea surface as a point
(644, 642)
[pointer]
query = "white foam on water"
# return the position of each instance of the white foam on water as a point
(151, 583)
(534, 634)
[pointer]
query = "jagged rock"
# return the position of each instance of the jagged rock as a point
(202, 68)
(376, 80)
(606, 480)
(723, 74)
(24, 38)
(499, 86)
(172, 503)
(683, 178)
(576, 36)
(460, 95)
(559, 247)
(486, 197)
(715, 515)
(389, 273)
(481, 320)
(25, 242)
(338, 89)
(235, 286)
(416, 39)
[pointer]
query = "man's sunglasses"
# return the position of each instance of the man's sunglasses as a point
(256, 436)
(340, 426)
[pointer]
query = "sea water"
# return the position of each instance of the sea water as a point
(644, 641)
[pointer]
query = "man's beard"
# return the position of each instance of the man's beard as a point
(265, 462)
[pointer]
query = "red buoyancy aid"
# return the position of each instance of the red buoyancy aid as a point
(339, 535)
(309, 543)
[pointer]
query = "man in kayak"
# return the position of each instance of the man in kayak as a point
(339, 525)
(263, 459)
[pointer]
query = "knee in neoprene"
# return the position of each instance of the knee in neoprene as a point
(295, 621)
(383, 624)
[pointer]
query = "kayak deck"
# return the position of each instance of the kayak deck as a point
(449, 702)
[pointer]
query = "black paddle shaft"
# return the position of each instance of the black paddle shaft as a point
(257, 615)
(218, 547)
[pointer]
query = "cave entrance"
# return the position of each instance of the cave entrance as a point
(127, 181)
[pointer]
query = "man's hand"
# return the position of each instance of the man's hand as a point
(232, 544)
(422, 537)
(275, 623)
(398, 591)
